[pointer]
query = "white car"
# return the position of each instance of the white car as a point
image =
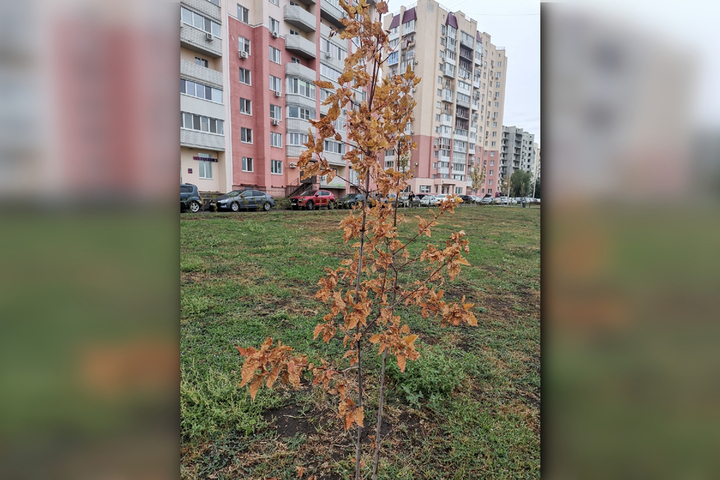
(428, 201)
(486, 200)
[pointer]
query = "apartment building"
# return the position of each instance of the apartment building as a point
(247, 92)
(536, 162)
(204, 140)
(460, 100)
(516, 151)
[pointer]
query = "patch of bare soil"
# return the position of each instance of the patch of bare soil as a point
(288, 421)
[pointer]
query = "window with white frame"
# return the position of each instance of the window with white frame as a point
(335, 51)
(408, 27)
(243, 14)
(274, 55)
(247, 164)
(458, 190)
(245, 135)
(200, 91)
(198, 21)
(301, 87)
(393, 58)
(334, 147)
(245, 76)
(275, 84)
(424, 188)
(205, 166)
(300, 112)
(276, 167)
(275, 139)
(201, 61)
(490, 181)
(275, 2)
(246, 106)
(244, 45)
(275, 112)
(274, 25)
(297, 139)
(192, 121)
(394, 43)
(329, 72)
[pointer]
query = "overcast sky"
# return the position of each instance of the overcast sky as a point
(515, 25)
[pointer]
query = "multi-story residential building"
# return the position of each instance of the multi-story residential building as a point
(247, 92)
(517, 151)
(460, 101)
(278, 48)
(536, 162)
(204, 139)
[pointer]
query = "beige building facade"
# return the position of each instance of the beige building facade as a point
(460, 100)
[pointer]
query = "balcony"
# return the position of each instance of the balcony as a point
(475, 104)
(447, 95)
(204, 140)
(297, 99)
(446, 120)
(299, 18)
(462, 102)
(334, 158)
(307, 2)
(294, 150)
(193, 71)
(462, 135)
(449, 70)
(300, 71)
(205, 8)
(444, 171)
(332, 13)
(476, 83)
(445, 159)
(300, 45)
(196, 40)
(297, 125)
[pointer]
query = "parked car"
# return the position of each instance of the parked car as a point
(190, 198)
(428, 201)
(501, 200)
(350, 200)
(486, 200)
(310, 199)
(243, 200)
(467, 199)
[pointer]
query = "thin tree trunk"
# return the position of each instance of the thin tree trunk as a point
(358, 450)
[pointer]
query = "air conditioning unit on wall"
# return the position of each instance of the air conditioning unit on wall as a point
(276, 122)
(277, 94)
(275, 34)
(208, 36)
(293, 165)
(242, 54)
(327, 55)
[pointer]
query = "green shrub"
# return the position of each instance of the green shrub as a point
(432, 377)
(282, 203)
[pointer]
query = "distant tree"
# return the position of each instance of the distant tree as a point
(521, 183)
(505, 185)
(537, 188)
(477, 176)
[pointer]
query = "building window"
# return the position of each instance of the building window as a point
(245, 135)
(205, 167)
(201, 61)
(301, 112)
(244, 45)
(198, 21)
(274, 55)
(301, 87)
(295, 60)
(424, 188)
(439, 92)
(334, 147)
(275, 2)
(393, 58)
(247, 164)
(275, 112)
(246, 106)
(275, 140)
(243, 14)
(491, 172)
(492, 144)
(335, 51)
(494, 134)
(275, 84)
(458, 190)
(497, 84)
(492, 162)
(490, 183)
(329, 73)
(297, 139)
(276, 167)
(274, 25)
(245, 76)
(408, 27)
(494, 124)
(201, 123)
(201, 91)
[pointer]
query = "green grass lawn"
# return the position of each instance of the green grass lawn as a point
(468, 408)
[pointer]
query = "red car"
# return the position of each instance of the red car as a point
(310, 199)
